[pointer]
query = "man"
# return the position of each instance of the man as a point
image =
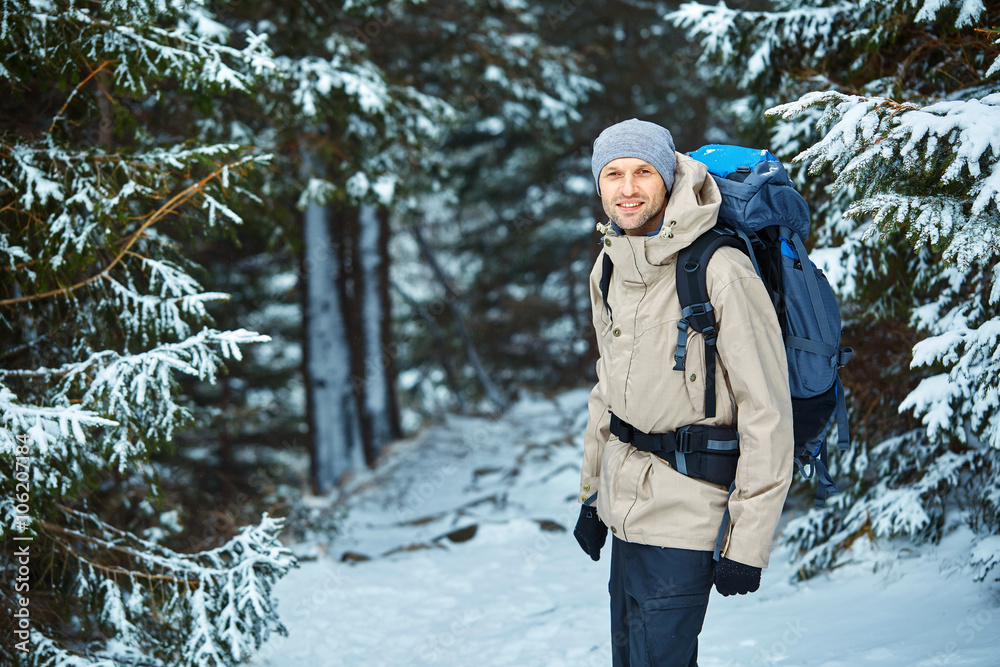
(666, 524)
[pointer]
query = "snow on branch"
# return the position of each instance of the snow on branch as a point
(935, 220)
(722, 32)
(119, 385)
(913, 479)
(50, 654)
(321, 84)
(315, 78)
(162, 314)
(973, 356)
(995, 67)
(968, 11)
(934, 170)
(556, 93)
(85, 188)
(915, 155)
(139, 47)
(224, 595)
(985, 554)
(808, 34)
(42, 424)
(131, 396)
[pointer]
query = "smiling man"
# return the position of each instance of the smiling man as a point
(656, 470)
(634, 164)
(634, 195)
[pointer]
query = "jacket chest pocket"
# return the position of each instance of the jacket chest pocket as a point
(694, 370)
(655, 362)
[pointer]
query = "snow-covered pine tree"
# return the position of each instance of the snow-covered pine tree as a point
(99, 313)
(364, 96)
(906, 128)
(347, 134)
(517, 94)
(517, 234)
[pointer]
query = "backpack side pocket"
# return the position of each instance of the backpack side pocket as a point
(812, 367)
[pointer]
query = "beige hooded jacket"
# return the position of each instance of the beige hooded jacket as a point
(639, 495)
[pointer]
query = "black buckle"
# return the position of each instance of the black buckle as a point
(709, 335)
(626, 432)
(682, 441)
(700, 315)
(698, 309)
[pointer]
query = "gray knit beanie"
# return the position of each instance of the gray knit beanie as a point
(639, 139)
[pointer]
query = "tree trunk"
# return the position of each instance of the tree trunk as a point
(395, 429)
(331, 408)
(378, 418)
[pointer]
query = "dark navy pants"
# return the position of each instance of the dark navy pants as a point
(658, 600)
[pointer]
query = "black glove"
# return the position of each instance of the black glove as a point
(732, 577)
(590, 532)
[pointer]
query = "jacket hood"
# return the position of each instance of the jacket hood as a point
(692, 209)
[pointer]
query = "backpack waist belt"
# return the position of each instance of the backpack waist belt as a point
(709, 453)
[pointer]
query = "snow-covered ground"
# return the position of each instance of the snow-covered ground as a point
(458, 551)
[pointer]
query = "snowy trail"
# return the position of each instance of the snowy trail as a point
(519, 591)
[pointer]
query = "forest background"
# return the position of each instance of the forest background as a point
(235, 236)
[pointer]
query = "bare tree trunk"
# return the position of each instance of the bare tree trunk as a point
(455, 304)
(346, 230)
(332, 411)
(395, 429)
(379, 425)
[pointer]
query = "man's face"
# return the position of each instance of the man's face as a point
(633, 194)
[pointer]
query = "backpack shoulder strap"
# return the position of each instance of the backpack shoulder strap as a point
(696, 308)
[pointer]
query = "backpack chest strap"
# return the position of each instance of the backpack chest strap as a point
(702, 452)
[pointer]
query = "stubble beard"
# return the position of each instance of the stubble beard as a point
(633, 223)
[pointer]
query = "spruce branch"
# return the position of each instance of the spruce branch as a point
(76, 89)
(170, 206)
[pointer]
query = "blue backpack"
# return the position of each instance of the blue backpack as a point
(764, 216)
